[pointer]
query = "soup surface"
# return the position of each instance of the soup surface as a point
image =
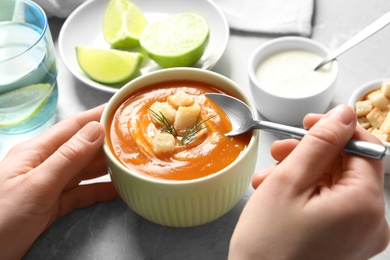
(133, 130)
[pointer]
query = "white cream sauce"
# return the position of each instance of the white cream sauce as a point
(291, 73)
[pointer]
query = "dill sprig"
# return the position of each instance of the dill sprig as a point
(166, 126)
(195, 128)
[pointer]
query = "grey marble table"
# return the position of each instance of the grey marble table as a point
(112, 231)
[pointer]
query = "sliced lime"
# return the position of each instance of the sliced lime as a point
(22, 104)
(177, 41)
(123, 24)
(108, 66)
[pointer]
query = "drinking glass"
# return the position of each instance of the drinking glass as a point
(28, 70)
(28, 73)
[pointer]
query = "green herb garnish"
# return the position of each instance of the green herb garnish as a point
(196, 127)
(166, 126)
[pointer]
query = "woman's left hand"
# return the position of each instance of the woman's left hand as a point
(39, 180)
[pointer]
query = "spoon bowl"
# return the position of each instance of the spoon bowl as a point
(242, 120)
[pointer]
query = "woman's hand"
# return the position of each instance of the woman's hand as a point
(39, 180)
(317, 202)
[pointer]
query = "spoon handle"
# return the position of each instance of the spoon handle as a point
(360, 36)
(367, 149)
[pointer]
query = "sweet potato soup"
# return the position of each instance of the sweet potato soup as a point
(172, 131)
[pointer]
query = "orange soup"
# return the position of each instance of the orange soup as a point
(140, 141)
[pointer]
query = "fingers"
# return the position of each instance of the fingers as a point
(283, 148)
(311, 119)
(94, 169)
(85, 195)
(357, 164)
(319, 148)
(70, 158)
(259, 177)
(28, 155)
(57, 135)
(359, 134)
(280, 149)
(46, 143)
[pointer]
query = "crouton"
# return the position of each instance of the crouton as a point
(166, 109)
(385, 111)
(385, 126)
(180, 98)
(363, 107)
(363, 121)
(385, 88)
(186, 117)
(378, 99)
(163, 143)
(380, 135)
(375, 117)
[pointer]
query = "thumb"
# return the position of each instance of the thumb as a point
(319, 148)
(259, 177)
(71, 157)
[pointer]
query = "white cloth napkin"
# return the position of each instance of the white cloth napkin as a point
(269, 16)
(261, 16)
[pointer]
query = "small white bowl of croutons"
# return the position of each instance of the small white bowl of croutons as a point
(284, 83)
(371, 102)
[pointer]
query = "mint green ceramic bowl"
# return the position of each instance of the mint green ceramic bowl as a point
(182, 203)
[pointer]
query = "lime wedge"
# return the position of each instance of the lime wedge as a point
(123, 24)
(22, 104)
(177, 41)
(108, 66)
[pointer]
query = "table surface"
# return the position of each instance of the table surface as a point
(112, 231)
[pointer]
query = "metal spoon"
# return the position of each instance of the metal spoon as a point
(242, 121)
(360, 36)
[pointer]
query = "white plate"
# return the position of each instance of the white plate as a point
(84, 27)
